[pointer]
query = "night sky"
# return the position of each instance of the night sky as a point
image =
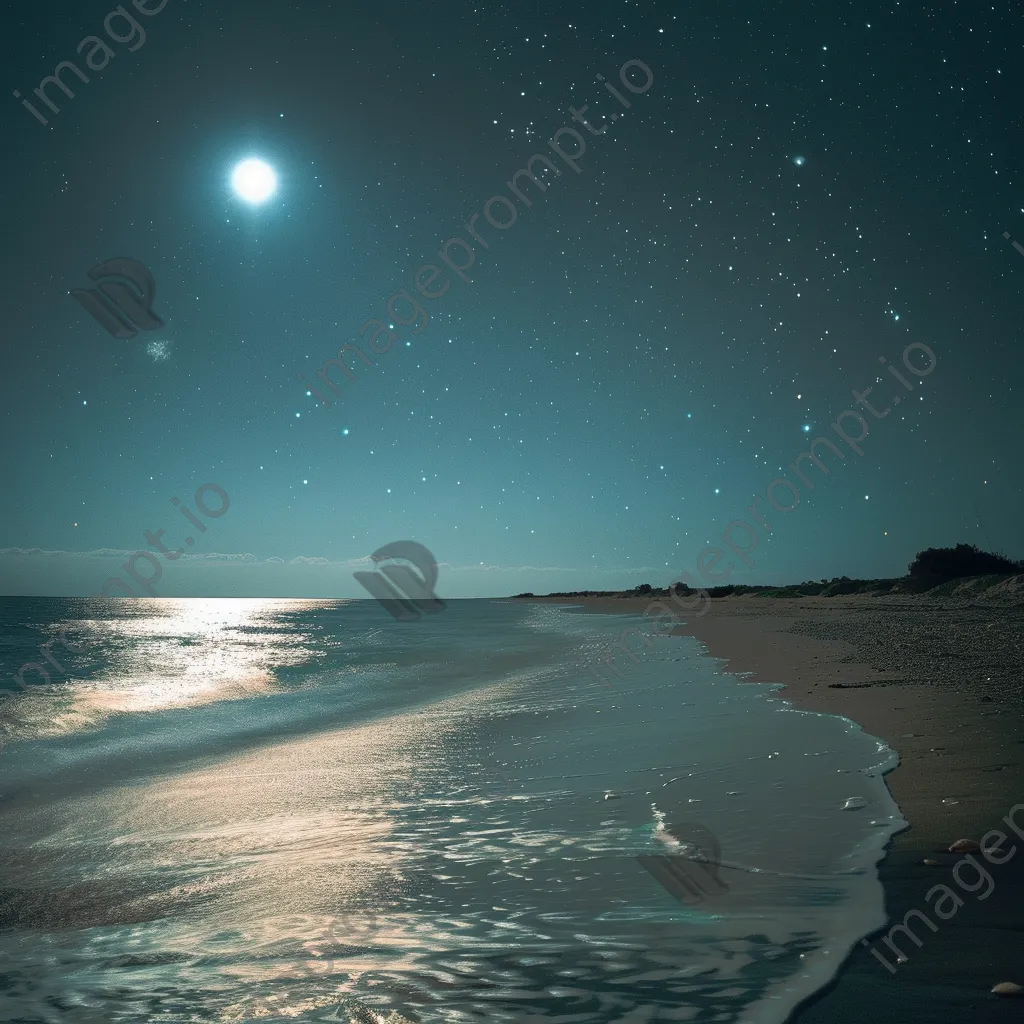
(802, 190)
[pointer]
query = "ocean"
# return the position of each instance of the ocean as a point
(281, 810)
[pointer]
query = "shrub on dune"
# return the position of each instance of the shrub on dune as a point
(937, 564)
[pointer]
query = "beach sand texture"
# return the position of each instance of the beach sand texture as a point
(941, 680)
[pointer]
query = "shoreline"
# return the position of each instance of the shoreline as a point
(941, 682)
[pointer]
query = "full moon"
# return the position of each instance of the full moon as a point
(254, 181)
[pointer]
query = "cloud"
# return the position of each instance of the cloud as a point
(484, 567)
(123, 553)
(246, 558)
(212, 558)
(47, 553)
(593, 570)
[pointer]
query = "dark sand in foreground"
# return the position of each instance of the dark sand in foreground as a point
(942, 682)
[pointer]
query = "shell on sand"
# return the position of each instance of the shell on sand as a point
(1007, 988)
(965, 846)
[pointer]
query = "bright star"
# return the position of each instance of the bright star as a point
(158, 351)
(799, 161)
(254, 181)
(807, 428)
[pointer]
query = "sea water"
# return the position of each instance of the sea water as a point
(238, 810)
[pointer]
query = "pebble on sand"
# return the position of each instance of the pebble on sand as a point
(1007, 988)
(611, 796)
(965, 846)
(931, 863)
(854, 803)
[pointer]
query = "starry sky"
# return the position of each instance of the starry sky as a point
(802, 190)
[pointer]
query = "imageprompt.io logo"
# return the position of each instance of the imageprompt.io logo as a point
(388, 585)
(690, 876)
(122, 310)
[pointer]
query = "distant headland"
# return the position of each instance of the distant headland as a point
(939, 572)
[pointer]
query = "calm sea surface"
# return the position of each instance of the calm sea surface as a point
(236, 810)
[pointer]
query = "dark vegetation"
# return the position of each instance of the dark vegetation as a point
(932, 568)
(941, 564)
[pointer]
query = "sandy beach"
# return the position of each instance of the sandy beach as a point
(941, 680)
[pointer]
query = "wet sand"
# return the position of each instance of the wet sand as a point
(942, 682)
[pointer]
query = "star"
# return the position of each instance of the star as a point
(159, 351)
